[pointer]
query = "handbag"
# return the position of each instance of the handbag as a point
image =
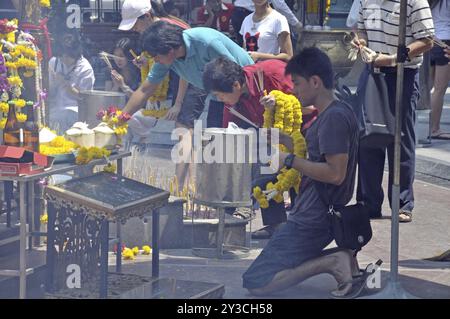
(376, 120)
(350, 224)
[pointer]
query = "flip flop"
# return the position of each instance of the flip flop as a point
(358, 282)
(441, 136)
(445, 256)
(244, 213)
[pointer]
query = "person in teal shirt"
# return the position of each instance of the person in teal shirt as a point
(186, 52)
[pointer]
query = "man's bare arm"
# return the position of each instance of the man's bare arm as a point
(333, 171)
(139, 97)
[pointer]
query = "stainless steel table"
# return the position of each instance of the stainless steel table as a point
(26, 204)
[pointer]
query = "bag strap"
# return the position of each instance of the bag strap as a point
(322, 187)
(322, 191)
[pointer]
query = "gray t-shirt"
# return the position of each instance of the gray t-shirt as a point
(335, 131)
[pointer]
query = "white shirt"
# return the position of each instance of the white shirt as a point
(80, 76)
(441, 18)
(263, 36)
(279, 5)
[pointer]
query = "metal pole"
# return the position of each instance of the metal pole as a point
(220, 232)
(104, 259)
(393, 288)
(22, 242)
(155, 243)
(30, 210)
(118, 227)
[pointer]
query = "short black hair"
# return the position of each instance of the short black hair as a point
(161, 37)
(312, 61)
(69, 44)
(220, 75)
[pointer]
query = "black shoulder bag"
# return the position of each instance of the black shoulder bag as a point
(350, 224)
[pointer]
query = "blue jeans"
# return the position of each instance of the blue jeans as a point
(289, 247)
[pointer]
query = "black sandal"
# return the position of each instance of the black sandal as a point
(358, 282)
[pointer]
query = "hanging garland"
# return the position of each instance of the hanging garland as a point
(8, 30)
(45, 3)
(21, 57)
(287, 117)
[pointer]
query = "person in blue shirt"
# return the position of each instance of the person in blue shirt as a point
(186, 52)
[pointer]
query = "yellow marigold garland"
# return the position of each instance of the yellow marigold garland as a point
(155, 113)
(21, 117)
(110, 168)
(19, 103)
(15, 80)
(146, 250)
(44, 219)
(161, 92)
(85, 155)
(59, 145)
(3, 123)
(44, 3)
(4, 107)
(287, 117)
(128, 254)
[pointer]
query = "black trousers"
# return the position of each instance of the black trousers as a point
(215, 114)
(371, 160)
(276, 212)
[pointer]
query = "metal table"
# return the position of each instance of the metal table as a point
(26, 204)
(79, 212)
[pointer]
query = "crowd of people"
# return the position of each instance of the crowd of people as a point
(204, 61)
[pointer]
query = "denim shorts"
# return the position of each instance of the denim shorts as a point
(289, 247)
(438, 54)
(193, 105)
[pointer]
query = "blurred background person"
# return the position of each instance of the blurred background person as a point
(69, 73)
(125, 76)
(440, 10)
(266, 33)
(216, 14)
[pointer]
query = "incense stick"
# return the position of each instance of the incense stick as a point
(105, 58)
(242, 117)
(256, 82)
(260, 74)
(133, 54)
(109, 55)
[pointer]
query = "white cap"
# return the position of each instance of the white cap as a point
(131, 11)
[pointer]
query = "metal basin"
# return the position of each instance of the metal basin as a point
(224, 179)
(92, 101)
(335, 43)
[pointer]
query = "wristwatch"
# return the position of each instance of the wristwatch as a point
(289, 160)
